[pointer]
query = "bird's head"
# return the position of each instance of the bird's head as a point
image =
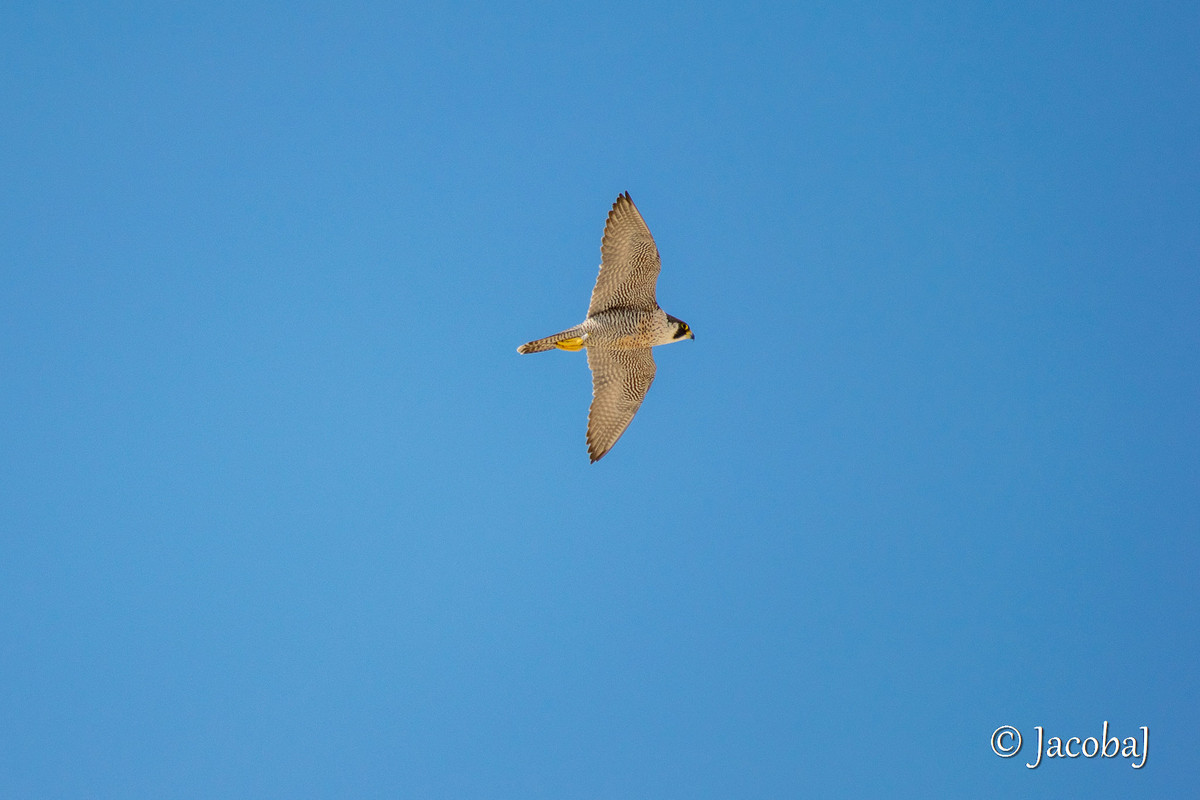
(681, 331)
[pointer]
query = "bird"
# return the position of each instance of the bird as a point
(623, 322)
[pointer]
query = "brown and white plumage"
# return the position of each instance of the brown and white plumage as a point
(623, 323)
(620, 380)
(629, 262)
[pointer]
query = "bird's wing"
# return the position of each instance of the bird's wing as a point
(629, 262)
(620, 380)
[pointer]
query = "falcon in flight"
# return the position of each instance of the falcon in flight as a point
(623, 323)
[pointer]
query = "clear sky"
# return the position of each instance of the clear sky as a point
(284, 514)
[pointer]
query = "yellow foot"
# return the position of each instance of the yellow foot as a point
(571, 345)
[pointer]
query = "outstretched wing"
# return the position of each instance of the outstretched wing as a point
(629, 262)
(620, 380)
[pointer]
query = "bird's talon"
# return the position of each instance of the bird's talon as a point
(572, 345)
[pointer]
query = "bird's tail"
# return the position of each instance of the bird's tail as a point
(570, 339)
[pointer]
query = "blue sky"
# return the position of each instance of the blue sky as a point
(285, 515)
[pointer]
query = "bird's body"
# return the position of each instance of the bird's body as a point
(623, 323)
